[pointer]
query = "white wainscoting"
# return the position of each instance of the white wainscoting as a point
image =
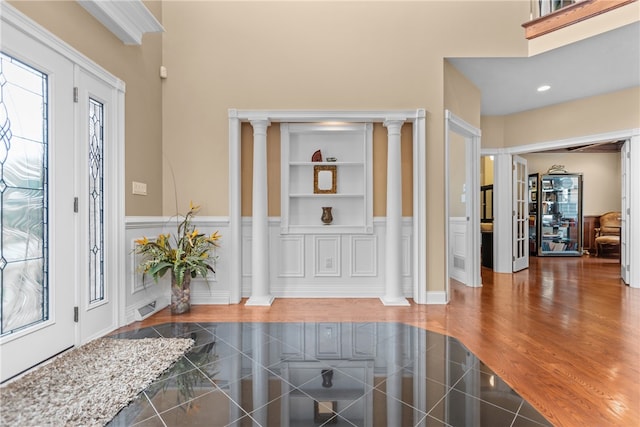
(214, 290)
(301, 265)
(327, 265)
(458, 248)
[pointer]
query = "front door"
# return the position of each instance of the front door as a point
(61, 132)
(520, 214)
(37, 247)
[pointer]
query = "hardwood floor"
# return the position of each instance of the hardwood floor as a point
(565, 333)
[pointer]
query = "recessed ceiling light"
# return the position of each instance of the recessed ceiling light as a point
(544, 88)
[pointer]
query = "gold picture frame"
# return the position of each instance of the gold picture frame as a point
(325, 179)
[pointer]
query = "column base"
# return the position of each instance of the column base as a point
(395, 301)
(265, 300)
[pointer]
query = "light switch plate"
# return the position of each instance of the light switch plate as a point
(140, 188)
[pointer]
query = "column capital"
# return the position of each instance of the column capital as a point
(393, 125)
(260, 125)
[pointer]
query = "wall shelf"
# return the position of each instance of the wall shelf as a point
(352, 202)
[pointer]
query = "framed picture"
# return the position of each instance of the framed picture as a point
(325, 179)
(534, 196)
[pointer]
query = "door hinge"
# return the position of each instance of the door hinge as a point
(75, 314)
(75, 94)
(75, 204)
(513, 259)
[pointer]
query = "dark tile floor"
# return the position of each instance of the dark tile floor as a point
(312, 374)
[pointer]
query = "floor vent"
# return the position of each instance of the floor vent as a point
(458, 262)
(145, 311)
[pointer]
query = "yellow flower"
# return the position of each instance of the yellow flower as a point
(214, 236)
(193, 207)
(142, 241)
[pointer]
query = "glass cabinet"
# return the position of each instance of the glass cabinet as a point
(559, 217)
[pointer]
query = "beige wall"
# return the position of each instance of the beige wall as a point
(462, 98)
(588, 116)
(486, 170)
(138, 67)
(601, 176)
(316, 55)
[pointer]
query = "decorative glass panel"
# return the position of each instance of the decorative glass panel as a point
(96, 201)
(23, 196)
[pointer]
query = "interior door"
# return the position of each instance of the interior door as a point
(37, 261)
(625, 158)
(520, 214)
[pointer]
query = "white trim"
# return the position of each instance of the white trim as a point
(436, 297)
(420, 210)
(304, 116)
(563, 143)
(235, 212)
(127, 20)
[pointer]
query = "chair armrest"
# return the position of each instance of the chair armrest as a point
(597, 230)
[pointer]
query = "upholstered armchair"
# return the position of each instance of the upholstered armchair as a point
(608, 233)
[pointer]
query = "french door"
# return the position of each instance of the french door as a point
(520, 214)
(58, 238)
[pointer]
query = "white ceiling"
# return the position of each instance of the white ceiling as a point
(600, 64)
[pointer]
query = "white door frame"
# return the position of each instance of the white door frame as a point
(502, 193)
(471, 135)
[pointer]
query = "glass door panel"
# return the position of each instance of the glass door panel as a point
(23, 195)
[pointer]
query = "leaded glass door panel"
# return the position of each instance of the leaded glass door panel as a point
(37, 241)
(96, 135)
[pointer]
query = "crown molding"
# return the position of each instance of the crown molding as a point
(129, 20)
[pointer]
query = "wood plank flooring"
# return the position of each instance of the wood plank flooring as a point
(565, 333)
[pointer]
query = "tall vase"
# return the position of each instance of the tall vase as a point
(181, 295)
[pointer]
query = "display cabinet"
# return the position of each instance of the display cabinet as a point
(326, 178)
(559, 216)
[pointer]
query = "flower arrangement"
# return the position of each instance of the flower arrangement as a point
(187, 254)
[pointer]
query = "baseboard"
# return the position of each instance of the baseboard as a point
(437, 297)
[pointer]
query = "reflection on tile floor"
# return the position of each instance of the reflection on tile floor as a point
(313, 374)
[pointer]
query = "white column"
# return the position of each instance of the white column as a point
(393, 256)
(260, 378)
(260, 293)
(395, 336)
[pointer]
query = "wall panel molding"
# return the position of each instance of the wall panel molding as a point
(363, 256)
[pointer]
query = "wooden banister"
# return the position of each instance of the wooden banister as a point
(570, 15)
